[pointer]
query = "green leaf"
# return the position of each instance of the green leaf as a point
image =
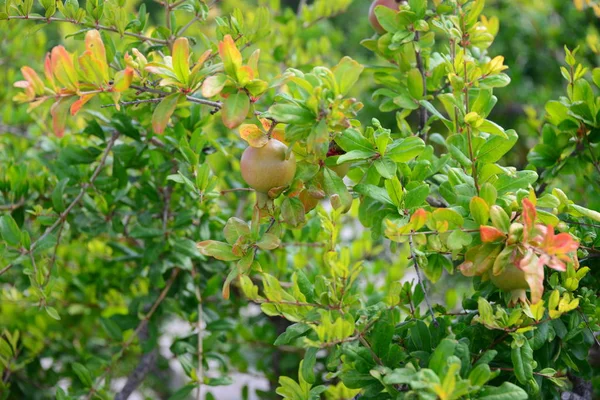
(219, 250)
(83, 374)
(492, 128)
(235, 109)
(291, 114)
(57, 195)
(458, 239)
(181, 59)
(480, 375)
(352, 139)
(521, 355)
(268, 241)
(521, 180)
(480, 211)
(494, 81)
(415, 83)
(10, 230)
(578, 210)
(386, 167)
(346, 74)
(51, 311)
(292, 332)
(162, 112)
(112, 329)
(308, 366)
(374, 192)
(416, 196)
(439, 358)
(234, 229)
(292, 211)
(506, 391)
(404, 150)
(183, 393)
(354, 155)
(335, 186)
(387, 18)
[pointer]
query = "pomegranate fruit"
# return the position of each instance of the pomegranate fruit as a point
(393, 4)
(265, 168)
(512, 280)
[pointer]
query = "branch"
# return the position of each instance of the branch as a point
(422, 110)
(136, 332)
(138, 375)
(200, 373)
(145, 89)
(416, 265)
(63, 216)
(86, 25)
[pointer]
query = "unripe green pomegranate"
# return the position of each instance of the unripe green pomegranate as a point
(265, 168)
(393, 4)
(512, 280)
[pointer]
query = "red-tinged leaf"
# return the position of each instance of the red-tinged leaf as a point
(34, 80)
(181, 59)
(90, 69)
(560, 244)
(490, 234)
(418, 219)
(76, 106)
(534, 275)
(162, 113)
(123, 80)
(201, 61)
(213, 85)
(253, 135)
(94, 44)
(230, 55)
(63, 68)
(29, 92)
(235, 109)
(60, 112)
(244, 75)
(219, 250)
(529, 214)
(48, 71)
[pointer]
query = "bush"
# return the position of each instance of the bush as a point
(401, 242)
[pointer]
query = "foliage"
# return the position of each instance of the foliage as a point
(125, 210)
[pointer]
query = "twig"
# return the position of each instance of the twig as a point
(63, 216)
(215, 104)
(587, 323)
(422, 110)
(53, 259)
(12, 207)
(136, 332)
(145, 365)
(200, 373)
(134, 102)
(416, 265)
(86, 25)
(237, 190)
